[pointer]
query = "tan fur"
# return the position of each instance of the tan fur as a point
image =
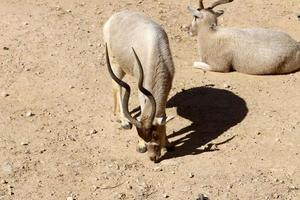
(124, 31)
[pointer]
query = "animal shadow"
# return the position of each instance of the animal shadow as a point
(211, 112)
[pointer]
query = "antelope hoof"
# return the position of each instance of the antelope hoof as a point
(141, 147)
(202, 65)
(126, 125)
(164, 150)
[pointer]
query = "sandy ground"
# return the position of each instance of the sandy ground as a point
(237, 136)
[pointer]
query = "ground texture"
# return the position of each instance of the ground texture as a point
(237, 136)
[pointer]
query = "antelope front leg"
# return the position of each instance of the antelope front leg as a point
(165, 144)
(125, 124)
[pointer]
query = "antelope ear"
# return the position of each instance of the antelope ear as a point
(218, 13)
(195, 12)
(162, 120)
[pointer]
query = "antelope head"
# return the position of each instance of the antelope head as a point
(204, 15)
(149, 127)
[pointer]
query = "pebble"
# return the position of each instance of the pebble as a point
(120, 196)
(278, 140)
(25, 23)
(43, 150)
(4, 181)
(158, 169)
(7, 168)
(4, 94)
(24, 143)
(5, 48)
(10, 189)
(29, 114)
(95, 187)
(71, 197)
(191, 175)
(166, 196)
(226, 85)
(93, 131)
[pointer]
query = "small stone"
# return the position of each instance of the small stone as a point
(191, 175)
(71, 197)
(95, 187)
(185, 27)
(293, 187)
(166, 196)
(226, 85)
(4, 181)
(25, 23)
(158, 169)
(4, 94)
(120, 195)
(10, 189)
(93, 131)
(29, 114)
(69, 11)
(7, 168)
(24, 143)
(71, 86)
(42, 151)
(278, 140)
(5, 48)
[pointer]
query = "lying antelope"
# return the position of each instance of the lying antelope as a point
(128, 34)
(252, 51)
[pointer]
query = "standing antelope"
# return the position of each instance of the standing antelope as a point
(252, 51)
(128, 34)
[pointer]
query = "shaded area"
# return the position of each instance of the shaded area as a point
(211, 112)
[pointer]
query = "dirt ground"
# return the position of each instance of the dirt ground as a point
(237, 136)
